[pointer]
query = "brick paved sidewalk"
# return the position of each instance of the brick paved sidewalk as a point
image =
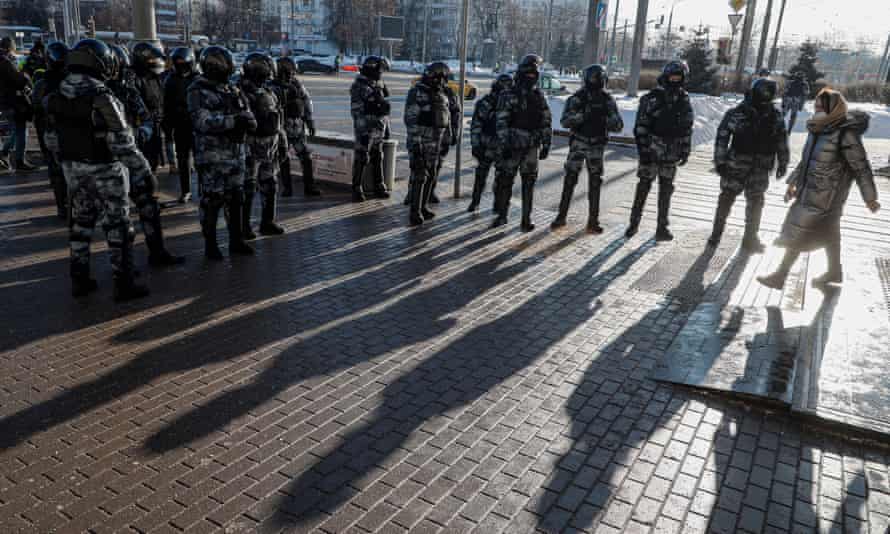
(360, 376)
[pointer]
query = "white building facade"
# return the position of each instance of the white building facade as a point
(305, 25)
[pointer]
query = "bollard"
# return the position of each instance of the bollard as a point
(389, 163)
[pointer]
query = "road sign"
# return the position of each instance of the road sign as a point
(734, 19)
(737, 5)
(602, 19)
(391, 28)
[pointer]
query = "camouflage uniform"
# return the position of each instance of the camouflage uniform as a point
(98, 182)
(759, 140)
(262, 153)
(370, 115)
(663, 133)
(590, 115)
(298, 124)
(428, 122)
(484, 142)
(218, 111)
(523, 129)
(450, 139)
(138, 116)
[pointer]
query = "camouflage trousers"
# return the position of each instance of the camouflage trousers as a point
(425, 156)
(98, 195)
(262, 167)
(665, 171)
(526, 163)
(483, 167)
(219, 182)
(754, 183)
(583, 153)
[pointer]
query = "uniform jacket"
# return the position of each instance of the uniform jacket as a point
(427, 116)
(297, 106)
(151, 89)
(176, 111)
(749, 139)
(11, 81)
(831, 162)
(214, 108)
(663, 128)
(46, 85)
(265, 107)
(591, 116)
(137, 113)
(523, 119)
(483, 125)
(369, 106)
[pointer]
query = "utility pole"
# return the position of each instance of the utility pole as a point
(623, 43)
(548, 32)
(764, 34)
(592, 32)
(774, 54)
(614, 32)
(746, 40)
(188, 22)
(144, 25)
(884, 61)
(636, 54)
(426, 24)
(668, 49)
(464, 30)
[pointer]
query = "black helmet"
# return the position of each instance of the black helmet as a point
(183, 59)
(93, 58)
(122, 61)
(501, 83)
(287, 69)
(217, 64)
(529, 70)
(258, 68)
(436, 74)
(763, 92)
(595, 77)
(148, 58)
(373, 67)
(764, 72)
(56, 53)
(7, 44)
(38, 48)
(674, 68)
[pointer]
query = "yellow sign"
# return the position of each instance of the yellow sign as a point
(737, 5)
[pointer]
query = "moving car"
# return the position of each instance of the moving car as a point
(470, 90)
(314, 65)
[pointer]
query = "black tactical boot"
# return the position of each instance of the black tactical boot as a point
(753, 211)
(287, 181)
(407, 201)
(377, 173)
(568, 189)
(125, 287)
(665, 190)
(310, 188)
(268, 226)
(593, 201)
(246, 209)
(158, 255)
(358, 173)
(60, 191)
(724, 206)
(502, 191)
(636, 211)
(81, 283)
(433, 199)
(237, 245)
(23, 165)
(528, 196)
(209, 217)
(425, 191)
(478, 188)
(415, 217)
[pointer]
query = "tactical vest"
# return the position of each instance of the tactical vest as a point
(437, 116)
(154, 95)
(667, 124)
(265, 109)
(80, 138)
(530, 113)
(294, 107)
(752, 139)
(377, 105)
(595, 118)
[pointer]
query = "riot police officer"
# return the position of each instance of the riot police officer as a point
(524, 133)
(428, 121)
(450, 139)
(56, 54)
(370, 110)
(298, 126)
(177, 124)
(757, 132)
(262, 144)
(483, 136)
(123, 85)
(663, 133)
(148, 65)
(221, 119)
(590, 114)
(97, 151)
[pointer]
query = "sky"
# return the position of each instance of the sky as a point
(845, 19)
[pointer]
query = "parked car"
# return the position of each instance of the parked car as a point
(470, 90)
(314, 65)
(549, 84)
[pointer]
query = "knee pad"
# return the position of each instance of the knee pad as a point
(213, 200)
(666, 185)
(361, 157)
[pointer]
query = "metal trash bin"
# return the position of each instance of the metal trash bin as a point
(332, 153)
(389, 162)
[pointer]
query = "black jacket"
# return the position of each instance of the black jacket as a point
(11, 82)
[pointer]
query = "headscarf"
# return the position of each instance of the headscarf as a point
(835, 107)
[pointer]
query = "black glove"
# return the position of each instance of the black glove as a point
(721, 169)
(781, 171)
(545, 151)
(478, 153)
(646, 156)
(384, 107)
(683, 160)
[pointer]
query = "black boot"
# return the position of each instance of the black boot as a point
(528, 196)
(377, 174)
(432, 198)
(415, 217)
(287, 181)
(753, 212)
(478, 188)
(246, 209)
(60, 191)
(568, 189)
(593, 201)
(425, 191)
(503, 188)
(358, 174)
(81, 283)
(665, 190)
(158, 255)
(724, 207)
(125, 287)
(407, 201)
(23, 165)
(268, 226)
(636, 211)
(237, 245)
(310, 188)
(209, 217)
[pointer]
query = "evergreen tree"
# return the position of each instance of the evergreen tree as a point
(574, 54)
(558, 57)
(702, 76)
(806, 63)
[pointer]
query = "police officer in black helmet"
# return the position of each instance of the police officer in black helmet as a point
(56, 54)
(177, 124)
(370, 110)
(149, 65)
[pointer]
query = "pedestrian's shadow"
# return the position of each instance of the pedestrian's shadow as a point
(467, 369)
